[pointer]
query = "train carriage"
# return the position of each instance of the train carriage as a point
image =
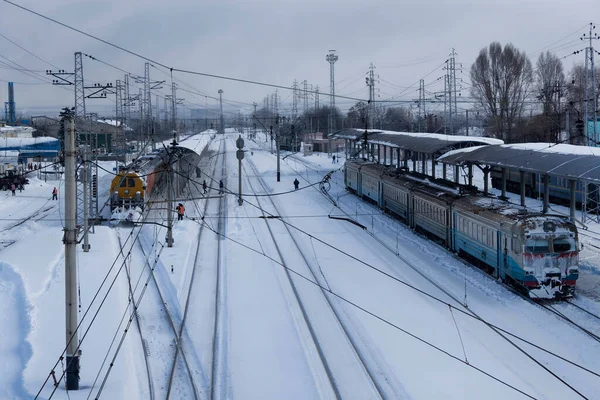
(431, 209)
(397, 197)
(352, 175)
(536, 253)
(370, 182)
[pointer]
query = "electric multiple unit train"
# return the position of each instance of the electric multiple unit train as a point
(536, 253)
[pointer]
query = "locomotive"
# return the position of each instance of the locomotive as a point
(536, 253)
(132, 186)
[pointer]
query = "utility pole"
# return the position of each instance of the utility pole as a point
(422, 112)
(222, 123)
(295, 100)
(331, 58)
(70, 242)
(86, 213)
(170, 191)
(371, 84)
(174, 111)
(277, 144)
(590, 89)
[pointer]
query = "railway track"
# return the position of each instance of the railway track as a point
(347, 360)
(202, 281)
(414, 267)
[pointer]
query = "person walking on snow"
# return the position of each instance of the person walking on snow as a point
(180, 212)
(55, 193)
(220, 187)
(204, 186)
(13, 188)
(296, 184)
(333, 159)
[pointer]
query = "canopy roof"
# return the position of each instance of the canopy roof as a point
(429, 143)
(562, 160)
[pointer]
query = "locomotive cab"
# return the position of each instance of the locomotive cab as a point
(550, 258)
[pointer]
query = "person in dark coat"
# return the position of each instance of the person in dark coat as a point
(204, 186)
(296, 184)
(13, 188)
(220, 186)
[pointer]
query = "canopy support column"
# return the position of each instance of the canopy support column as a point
(423, 165)
(522, 187)
(456, 174)
(444, 173)
(486, 175)
(433, 166)
(503, 194)
(546, 193)
(470, 174)
(384, 155)
(572, 186)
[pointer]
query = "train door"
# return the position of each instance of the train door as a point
(502, 252)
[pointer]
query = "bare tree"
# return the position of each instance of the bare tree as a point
(549, 86)
(550, 80)
(500, 82)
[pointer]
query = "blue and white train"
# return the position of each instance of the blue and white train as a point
(537, 253)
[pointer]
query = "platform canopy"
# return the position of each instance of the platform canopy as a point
(561, 160)
(428, 143)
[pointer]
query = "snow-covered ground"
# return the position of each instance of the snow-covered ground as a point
(339, 323)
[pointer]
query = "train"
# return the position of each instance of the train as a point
(133, 185)
(536, 253)
(558, 188)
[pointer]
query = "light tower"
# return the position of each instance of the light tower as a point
(222, 126)
(331, 59)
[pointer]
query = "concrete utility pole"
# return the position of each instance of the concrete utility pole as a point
(331, 59)
(174, 110)
(371, 84)
(84, 182)
(70, 242)
(277, 144)
(170, 193)
(222, 123)
(295, 99)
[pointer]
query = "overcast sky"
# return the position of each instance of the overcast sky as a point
(276, 42)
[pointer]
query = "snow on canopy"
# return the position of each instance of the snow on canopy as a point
(562, 160)
(428, 143)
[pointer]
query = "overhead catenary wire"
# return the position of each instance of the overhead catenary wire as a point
(423, 292)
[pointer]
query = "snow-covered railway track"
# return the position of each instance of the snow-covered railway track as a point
(167, 325)
(203, 296)
(138, 322)
(502, 334)
(343, 359)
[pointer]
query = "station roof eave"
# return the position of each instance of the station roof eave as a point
(428, 143)
(561, 160)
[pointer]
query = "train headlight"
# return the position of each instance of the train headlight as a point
(126, 191)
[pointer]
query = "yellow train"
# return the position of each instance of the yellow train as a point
(128, 189)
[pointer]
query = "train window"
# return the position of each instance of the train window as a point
(537, 245)
(563, 245)
(130, 182)
(123, 183)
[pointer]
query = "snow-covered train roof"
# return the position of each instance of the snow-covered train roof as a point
(429, 143)
(562, 160)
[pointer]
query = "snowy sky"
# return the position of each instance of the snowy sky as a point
(279, 41)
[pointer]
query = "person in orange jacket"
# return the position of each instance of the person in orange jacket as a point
(55, 193)
(180, 211)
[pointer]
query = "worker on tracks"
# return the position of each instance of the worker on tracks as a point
(180, 211)
(296, 184)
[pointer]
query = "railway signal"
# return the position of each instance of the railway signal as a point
(239, 143)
